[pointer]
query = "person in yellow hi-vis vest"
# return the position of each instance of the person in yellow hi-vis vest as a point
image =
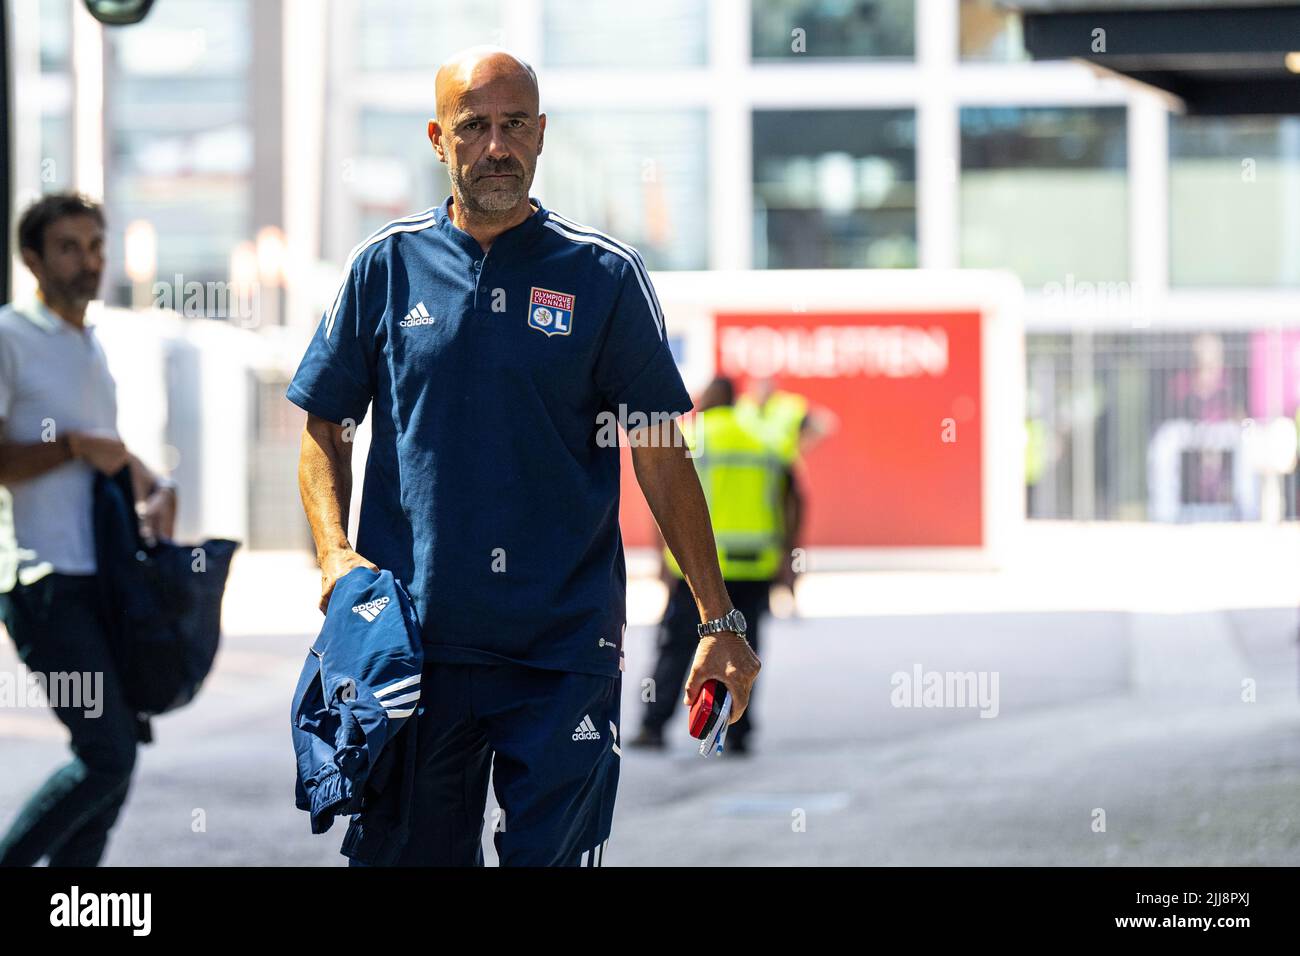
(747, 483)
(788, 418)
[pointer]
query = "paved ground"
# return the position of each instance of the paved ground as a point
(1124, 713)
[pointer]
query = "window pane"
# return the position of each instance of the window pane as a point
(641, 177)
(187, 171)
(991, 32)
(195, 38)
(1044, 193)
(397, 171)
(815, 28)
(55, 85)
(398, 35)
(56, 34)
(56, 152)
(670, 33)
(1234, 188)
(834, 189)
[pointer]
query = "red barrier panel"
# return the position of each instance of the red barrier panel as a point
(904, 466)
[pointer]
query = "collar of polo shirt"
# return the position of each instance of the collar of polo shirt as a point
(522, 231)
(43, 317)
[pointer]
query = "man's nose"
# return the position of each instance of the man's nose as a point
(497, 147)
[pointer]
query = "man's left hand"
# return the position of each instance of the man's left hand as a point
(157, 515)
(726, 657)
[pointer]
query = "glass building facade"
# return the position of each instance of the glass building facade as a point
(787, 134)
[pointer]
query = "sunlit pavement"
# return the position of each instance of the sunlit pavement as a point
(1110, 710)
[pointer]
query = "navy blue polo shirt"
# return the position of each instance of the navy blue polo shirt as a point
(489, 491)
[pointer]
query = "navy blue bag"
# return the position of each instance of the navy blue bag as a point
(162, 602)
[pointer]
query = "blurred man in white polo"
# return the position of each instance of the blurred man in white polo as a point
(58, 425)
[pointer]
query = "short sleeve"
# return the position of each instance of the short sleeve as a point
(635, 367)
(336, 378)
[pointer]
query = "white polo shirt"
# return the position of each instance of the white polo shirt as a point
(54, 379)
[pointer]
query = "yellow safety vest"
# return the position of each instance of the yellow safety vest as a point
(779, 418)
(1035, 450)
(742, 476)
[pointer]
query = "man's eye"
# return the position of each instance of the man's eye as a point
(471, 125)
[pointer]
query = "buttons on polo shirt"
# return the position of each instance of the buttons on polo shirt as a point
(478, 270)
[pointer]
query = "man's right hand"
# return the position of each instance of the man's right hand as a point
(333, 566)
(102, 452)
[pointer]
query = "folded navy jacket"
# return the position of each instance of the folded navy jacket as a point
(359, 689)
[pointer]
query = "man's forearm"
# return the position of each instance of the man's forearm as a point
(672, 489)
(792, 503)
(325, 483)
(24, 462)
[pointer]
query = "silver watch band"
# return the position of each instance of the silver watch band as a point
(733, 621)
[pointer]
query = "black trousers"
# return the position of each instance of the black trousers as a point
(57, 626)
(677, 641)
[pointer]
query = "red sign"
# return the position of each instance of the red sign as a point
(903, 467)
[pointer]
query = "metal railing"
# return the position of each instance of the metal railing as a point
(1143, 426)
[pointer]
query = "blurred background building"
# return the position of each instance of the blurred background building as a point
(243, 148)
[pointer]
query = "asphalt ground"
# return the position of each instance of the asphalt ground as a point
(1116, 737)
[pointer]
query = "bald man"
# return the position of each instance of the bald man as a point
(497, 341)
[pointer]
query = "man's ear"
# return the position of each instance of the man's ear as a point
(435, 137)
(32, 261)
(541, 131)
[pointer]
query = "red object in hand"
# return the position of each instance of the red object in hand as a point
(707, 707)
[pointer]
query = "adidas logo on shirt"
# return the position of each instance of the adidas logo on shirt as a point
(586, 730)
(370, 610)
(417, 316)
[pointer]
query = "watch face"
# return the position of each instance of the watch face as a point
(737, 620)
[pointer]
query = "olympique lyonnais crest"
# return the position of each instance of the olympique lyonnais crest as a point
(550, 312)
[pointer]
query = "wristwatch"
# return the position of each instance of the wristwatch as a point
(732, 621)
